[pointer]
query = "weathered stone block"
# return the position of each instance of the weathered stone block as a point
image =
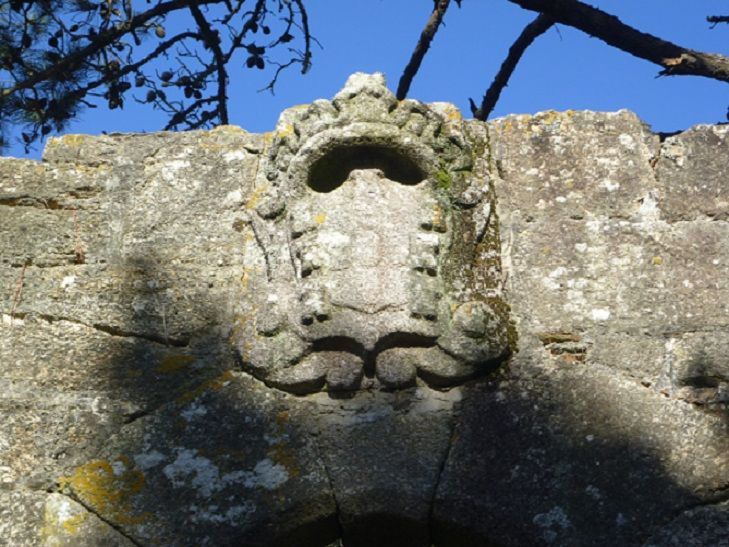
(691, 168)
(567, 272)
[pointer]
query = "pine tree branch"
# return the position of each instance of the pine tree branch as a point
(99, 43)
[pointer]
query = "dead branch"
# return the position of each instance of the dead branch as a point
(426, 37)
(534, 29)
(674, 59)
(716, 19)
(213, 42)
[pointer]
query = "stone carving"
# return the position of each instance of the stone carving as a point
(378, 255)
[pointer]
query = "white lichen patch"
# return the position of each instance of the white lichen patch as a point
(147, 460)
(198, 472)
(232, 198)
(627, 141)
(193, 411)
(648, 210)
(552, 521)
(600, 314)
(118, 468)
(235, 155)
(609, 185)
(267, 475)
(169, 171)
(593, 491)
(68, 282)
(551, 281)
(236, 516)
(8, 319)
(190, 469)
(429, 400)
(62, 508)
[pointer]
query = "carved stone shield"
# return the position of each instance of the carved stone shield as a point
(373, 255)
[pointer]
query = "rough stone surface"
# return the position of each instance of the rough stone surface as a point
(696, 528)
(384, 453)
(69, 524)
(378, 325)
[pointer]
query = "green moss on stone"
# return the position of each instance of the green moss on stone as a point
(443, 179)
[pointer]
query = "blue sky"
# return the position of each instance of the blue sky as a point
(563, 69)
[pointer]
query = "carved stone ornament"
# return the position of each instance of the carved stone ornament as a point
(373, 255)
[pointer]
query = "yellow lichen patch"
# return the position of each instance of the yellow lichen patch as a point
(174, 363)
(256, 196)
(210, 145)
(657, 261)
(282, 417)
(212, 384)
(71, 525)
(453, 114)
(320, 218)
(287, 130)
(245, 278)
(281, 455)
(68, 140)
(109, 488)
(439, 219)
(548, 117)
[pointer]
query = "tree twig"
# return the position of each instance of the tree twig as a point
(534, 29)
(675, 59)
(421, 48)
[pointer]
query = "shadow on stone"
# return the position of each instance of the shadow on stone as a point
(539, 456)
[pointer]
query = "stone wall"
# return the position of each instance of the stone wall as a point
(130, 417)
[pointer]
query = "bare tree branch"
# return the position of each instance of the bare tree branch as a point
(421, 48)
(306, 62)
(716, 19)
(534, 29)
(674, 59)
(213, 42)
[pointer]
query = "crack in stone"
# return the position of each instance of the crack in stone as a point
(54, 203)
(330, 482)
(108, 329)
(109, 523)
(455, 422)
